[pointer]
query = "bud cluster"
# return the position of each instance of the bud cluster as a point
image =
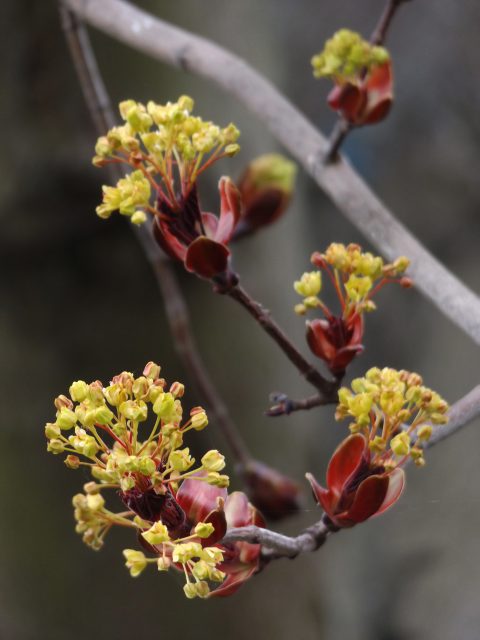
(167, 147)
(394, 412)
(356, 276)
(198, 563)
(346, 56)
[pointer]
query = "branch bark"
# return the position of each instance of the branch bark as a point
(340, 182)
(327, 388)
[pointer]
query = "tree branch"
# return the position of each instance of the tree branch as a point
(380, 32)
(98, 103)
(340, 182)
(276, 545)
(282, 405)
(327, 388)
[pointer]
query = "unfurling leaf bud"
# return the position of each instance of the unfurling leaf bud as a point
(198, 418)
(266, 188)
(274, 494)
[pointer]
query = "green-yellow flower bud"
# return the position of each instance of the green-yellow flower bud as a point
(66, 419)
(204, 529)
(199, 420)
(135, 561)
(181, 460)
(78, 390)
(309, 284)
(147, 466)
(217, 479)
(157, 534)
(95, 501)
(55, 446)
(72, 462)
(400, 444)
(164, 563)
(52, 430)
(213, 461)
(424, 432)
(182, 553)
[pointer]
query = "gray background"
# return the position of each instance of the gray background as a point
(78, 301)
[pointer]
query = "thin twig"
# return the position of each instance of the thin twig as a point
(97, 100)
(282, 405)
(340, 182)
(340, 131)
(326, 387)
(177, 314)
(380, 32)
(342, 127)
(277, 545)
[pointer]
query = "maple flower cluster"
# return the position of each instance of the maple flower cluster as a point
(394, 412)
(362, 75)
(345, 55)
(179, 509)
(393, 415)
(168, 147)
(356, 277)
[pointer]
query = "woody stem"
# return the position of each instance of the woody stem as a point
(342, 127)
(327, 388)
(282, 405)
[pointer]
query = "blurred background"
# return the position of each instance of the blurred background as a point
(78, 300)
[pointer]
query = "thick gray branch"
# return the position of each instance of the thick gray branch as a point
(347, 190)
(460, 414)
(276, 545)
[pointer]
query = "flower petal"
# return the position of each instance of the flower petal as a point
(210, 224)
(237, 510)
(167, 241)
(198, 499)
(230, 210)
(318, 340)
(207, 258)
(368, 498)
(349, 100)
(345, 461)
(395, 489)
(379, 88)
(233, 582)
(323, 496)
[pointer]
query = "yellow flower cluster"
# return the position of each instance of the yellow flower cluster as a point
(100, 428)
(199, 563)
(357, 276)
(346, 56)
(164, 143)
(130, 197)
(394, 411)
